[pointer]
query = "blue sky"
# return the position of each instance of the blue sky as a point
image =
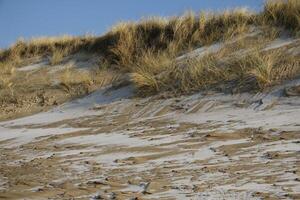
(32, 18)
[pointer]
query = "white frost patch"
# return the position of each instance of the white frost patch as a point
(170, 194)
(111, 159)
(207, 195)
(207, 151)
(133, 188)
(225, 116)
(72, 152)
(281, 42)
(225, 194)
(25, 135)
(79, 168)
(34, 67)
(289, 180)
(58, 68)
(104, 139)
(254, 187)
(278, 146)
(2, 183)
(122, 139)
(202, 153)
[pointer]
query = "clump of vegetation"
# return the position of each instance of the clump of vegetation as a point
(264, 69)
(43, 47)
(256, 70)
(284, 13)
(71, 77)
(148, 49)
(175, 35)
(57, 57)
(7, 73)
(148, 70)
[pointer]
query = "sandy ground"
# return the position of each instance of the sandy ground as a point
(112, 146)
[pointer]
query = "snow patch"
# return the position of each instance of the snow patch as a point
(23, 136)
(281, 42)
(34, 67)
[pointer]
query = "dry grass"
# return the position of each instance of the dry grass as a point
(103, 76)
(282, 13)
(133, 39)
(175, 35)
(43, 47)
(7, 73)
(260, 66)
(179, 34)
(57, 56)
(147, 49)
(160, 72)
(255, 70)
(149, 70)
(273, 67)
(260, 70)
(70, 76)
(127, 41)
(198, 74)
(100, 77)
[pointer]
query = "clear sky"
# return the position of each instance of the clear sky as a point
(31, 18)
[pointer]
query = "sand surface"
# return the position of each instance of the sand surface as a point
(110, 145)
(113, 145)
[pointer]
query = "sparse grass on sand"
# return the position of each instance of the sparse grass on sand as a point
(254, 71)
(71, 76)
(7, 73)
(284, 13)
(57, 56)
(148, 49)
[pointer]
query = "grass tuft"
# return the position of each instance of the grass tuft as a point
(57, 56)
(148, 49)
(284, 13)
(70, 77)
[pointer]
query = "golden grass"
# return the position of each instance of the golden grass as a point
(198, 74)
(175, 35)
(256, 70)
(103, 76)
(261, 67)
(148, 48)
(149, 69)
(154, 73)
(7, 73)
(57, 57)
(264, 69)
(100, 77)
(42, 47)
(260, 70)
(70, 77)
(126, 45)
(125, 42)
(284, 13)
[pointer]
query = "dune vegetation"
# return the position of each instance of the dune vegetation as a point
(148, 50)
